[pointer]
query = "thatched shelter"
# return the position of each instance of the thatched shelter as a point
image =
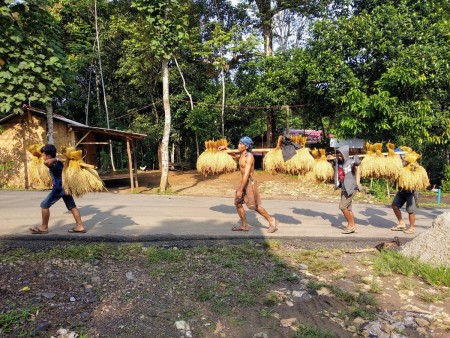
(19, 131)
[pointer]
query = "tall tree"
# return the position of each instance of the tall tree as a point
(167, 28)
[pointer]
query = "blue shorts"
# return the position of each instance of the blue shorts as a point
(55, 196)
(403, 197)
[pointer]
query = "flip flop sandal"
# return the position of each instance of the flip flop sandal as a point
(73, 231)
(239, 229)
(398, 228)
(349, 231)
(37, 231)
(409, 231)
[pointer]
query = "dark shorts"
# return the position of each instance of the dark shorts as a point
(54, 197)
(250, 196)
(346, 200)
(403, 197)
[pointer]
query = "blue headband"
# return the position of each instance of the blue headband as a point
(247, 141)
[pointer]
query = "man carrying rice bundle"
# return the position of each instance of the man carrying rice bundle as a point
(247, 191)
(55, 166)
(345, 178)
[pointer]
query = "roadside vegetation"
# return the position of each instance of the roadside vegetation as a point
(217, 283)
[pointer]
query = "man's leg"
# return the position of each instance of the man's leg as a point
(348, 214)
(412, 220)
(346, 207)
(45, 219)
(241, 212)
(398, 214)
(77, 217)
(273, 224)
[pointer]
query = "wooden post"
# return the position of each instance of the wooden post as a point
(133, 148)
(130, 165)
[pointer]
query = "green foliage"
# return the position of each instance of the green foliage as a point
(445, 183)
(31, 58)
(384, 71)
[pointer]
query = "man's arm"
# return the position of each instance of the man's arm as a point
(49, 162)
(233, 155)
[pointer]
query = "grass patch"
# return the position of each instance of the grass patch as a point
(432, 296)
(13, 321)
(389, 262)
(312, 332)
(316, 260)
(159, 255)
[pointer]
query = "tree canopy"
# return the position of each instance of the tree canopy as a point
(378, 70)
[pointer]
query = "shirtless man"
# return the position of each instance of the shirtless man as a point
(247, 191)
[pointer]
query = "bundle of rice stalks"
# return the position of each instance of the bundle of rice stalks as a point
(413, 176)
(373, 164)
(393, 163)
(315, 153)
(274, 161)
(323, 170)
(79, 178)
(406, 148)
(213, 161)
(38, 173)
(302, 162)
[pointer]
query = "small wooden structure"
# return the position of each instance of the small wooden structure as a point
(22, 130)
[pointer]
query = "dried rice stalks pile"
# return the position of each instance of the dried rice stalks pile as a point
(374, 163)
(393, 163)
(273, 161)
(37, 171)
(413, 176)
(367, 162)
(323, 170)
(302, 162)
(213, 161)
(79, 178)
(379, 163)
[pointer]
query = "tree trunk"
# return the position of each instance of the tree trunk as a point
(223, 102)
(270, 128)
(166, 136)
(49, 114)
(265, 13)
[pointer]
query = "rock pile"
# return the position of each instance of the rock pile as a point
(432, 246)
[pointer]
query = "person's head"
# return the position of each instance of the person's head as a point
(49, 149)
(344, 153)
(339, 157)
(245, 143)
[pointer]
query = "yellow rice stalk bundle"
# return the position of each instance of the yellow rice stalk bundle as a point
(407, 149)
(213, 161)
(274, 161)
(323, 170)
(38, 173)
(79, 178)
(413, 176)
(379, 163)
(367, 163)
(393, 163)
(301, 163)
(316, 153)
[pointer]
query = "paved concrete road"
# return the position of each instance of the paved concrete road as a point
(136, 216)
